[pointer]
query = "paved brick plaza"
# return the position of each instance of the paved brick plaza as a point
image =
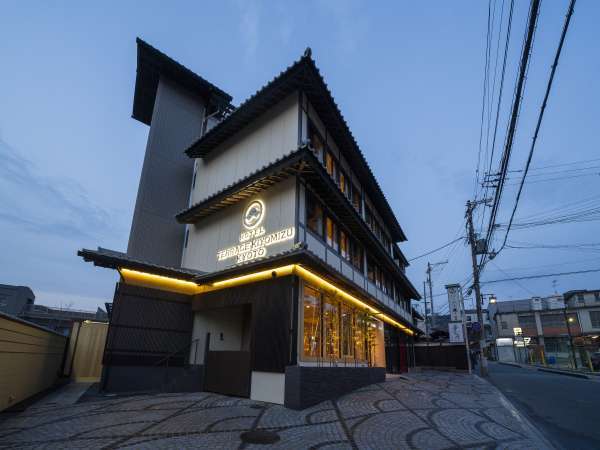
(430, 410)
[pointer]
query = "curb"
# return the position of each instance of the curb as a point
(551, 370)
(569, 374)
(525, 422)
(510, 364)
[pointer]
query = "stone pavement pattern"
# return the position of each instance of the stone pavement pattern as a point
(429, 410)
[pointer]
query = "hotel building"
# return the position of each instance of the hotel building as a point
(263, 259)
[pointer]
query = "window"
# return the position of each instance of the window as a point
(347, 344)
(357, 255)
(371, 270)
(331, 233)
(580, 298)
(504, 325)
(356, 199)
(386, 283)
(344, 184)
(359, 336)
(330, 165)
(314, 215)
(369, 217)
(187, 237)
(332, 329)
(344, 245)
(316, 142)
(595, 319)
(597, 296)
(331, 324)
(312, 323)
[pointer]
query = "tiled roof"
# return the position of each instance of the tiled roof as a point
(115, 260)
(303, 75)
(254, 182)
(151, 64)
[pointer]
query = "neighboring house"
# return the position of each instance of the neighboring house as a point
(19, 301)
(14, 300)
(543, 330)
(262, 249)
(442, 322)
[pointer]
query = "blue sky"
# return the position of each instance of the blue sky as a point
(407, 75)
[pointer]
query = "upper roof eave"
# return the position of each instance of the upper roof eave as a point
(303, 75)
(151, 65)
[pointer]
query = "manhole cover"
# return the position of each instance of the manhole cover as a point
(259, 437)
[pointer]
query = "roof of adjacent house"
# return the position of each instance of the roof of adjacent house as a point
(151, 65)
(303, 75)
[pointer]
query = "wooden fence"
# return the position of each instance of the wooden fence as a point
(86, 347)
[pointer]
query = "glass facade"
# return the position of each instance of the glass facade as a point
(312, 323)
(334, 330)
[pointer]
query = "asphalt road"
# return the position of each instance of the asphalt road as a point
(565, 409)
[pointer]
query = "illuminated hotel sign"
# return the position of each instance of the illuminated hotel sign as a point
(255, 240)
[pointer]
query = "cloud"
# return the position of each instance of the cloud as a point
(250, 27)
(50, 206)
(350, 24)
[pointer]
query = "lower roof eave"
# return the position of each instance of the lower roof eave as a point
(300, 255)
(310, 261)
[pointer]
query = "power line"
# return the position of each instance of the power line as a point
(501, 90)
(514, 281)
(531, 277)
(511, 129)
(437, 249)
(541, 114)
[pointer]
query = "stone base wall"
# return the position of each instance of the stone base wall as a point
(307, 386)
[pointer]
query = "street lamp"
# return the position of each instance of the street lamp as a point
(568, 321)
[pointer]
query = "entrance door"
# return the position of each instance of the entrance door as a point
(227, 359)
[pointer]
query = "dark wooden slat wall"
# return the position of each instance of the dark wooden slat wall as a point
(271, 308)
(147, 325)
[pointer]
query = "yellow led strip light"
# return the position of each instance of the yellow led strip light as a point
(190, 288)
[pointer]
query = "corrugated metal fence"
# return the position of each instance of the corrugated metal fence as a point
(31, 359)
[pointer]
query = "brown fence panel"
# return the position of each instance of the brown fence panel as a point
(447, 356)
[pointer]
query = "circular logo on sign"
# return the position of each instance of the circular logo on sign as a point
(254, 214)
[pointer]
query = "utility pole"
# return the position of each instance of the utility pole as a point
(426, 310)
(483, 368)
(428, 272)
(430, 293)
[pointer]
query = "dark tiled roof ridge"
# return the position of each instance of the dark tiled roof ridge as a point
(306, 59)
(115, 257)
(180, 66)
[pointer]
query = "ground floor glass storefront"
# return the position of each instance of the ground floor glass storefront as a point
(337, 333)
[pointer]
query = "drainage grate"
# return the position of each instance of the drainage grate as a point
(259, 437)
(255, 406)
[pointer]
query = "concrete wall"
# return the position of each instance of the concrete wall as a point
(263, 141)
(166, 177)
(229, 330)
(30, 360)
(222, 229)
